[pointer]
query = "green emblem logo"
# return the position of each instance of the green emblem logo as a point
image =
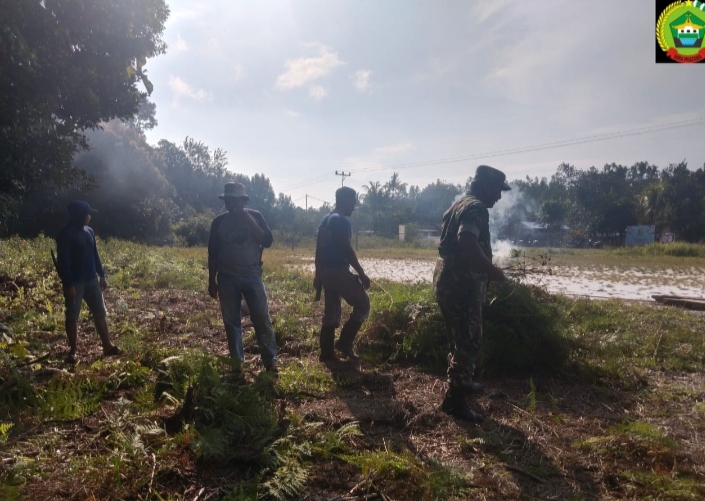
(680, 30)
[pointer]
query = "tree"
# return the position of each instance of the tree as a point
(375, 202)
(434, 200)
(65, 67)
(395, 187)
(197, 173)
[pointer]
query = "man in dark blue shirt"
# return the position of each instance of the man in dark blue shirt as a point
(334, 257)
(78, 263)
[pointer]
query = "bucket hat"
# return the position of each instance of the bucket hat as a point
(234, 190)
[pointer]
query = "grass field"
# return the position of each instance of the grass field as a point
(585, 399)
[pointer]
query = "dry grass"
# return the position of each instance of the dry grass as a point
(625, 422)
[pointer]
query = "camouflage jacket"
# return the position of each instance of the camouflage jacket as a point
(467, 214)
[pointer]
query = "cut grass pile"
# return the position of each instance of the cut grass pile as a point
(587, 399)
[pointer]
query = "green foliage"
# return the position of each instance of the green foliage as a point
(622, 338)
(302, 377)
(288, 474)
(229, 416)
(59, 81)
(4, 429)
(401, 475)
(194, 230)
(677, 249)
(69, 399)
(523, 330)
(531, 397)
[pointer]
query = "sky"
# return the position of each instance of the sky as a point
(298, 90)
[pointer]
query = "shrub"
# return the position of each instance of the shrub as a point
(523, 331)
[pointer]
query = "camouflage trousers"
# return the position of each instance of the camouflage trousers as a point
(461, 308)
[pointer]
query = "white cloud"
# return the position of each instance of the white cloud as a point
(362, 80)
(317, 92)
(181, 89)
(180, 45)
(303, 70)
(393, 149)
(293, 114)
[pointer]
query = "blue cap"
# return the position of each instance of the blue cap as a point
(79, 209)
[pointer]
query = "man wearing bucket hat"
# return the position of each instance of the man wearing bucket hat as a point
(235, 246)
(460, 282)
(78, 263)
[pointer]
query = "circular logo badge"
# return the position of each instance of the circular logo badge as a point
(680, 30)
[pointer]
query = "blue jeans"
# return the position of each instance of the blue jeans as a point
(231, 288)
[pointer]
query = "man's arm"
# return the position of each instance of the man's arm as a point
(318, 261)
(349, 254)
(213, 243)
(478, 261)
(99, 264)
(262, 233)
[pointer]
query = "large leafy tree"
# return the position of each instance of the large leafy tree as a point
(65, 67)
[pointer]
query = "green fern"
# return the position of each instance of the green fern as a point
(531, 397)
(288, 481)
(70, 399)
(4, 428)
(289, 475)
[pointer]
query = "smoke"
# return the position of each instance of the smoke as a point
(512, 208)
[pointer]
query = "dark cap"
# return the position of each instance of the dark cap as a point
(80, 209)
(491, 176)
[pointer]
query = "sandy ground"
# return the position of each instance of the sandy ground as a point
(619, 282)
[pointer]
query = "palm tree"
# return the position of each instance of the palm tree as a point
(376, 201)
(395, 187)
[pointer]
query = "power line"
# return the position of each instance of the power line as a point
(545, 146)
(510, 151)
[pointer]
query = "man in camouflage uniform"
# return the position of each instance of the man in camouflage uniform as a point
(460, 283)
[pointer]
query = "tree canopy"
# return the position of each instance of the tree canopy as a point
(66, 67)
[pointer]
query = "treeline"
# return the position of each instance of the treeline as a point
(599, 203)
(593, 203)
(167, 195)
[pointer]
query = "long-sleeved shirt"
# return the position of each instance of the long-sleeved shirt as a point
(232, 245)
(77, 257)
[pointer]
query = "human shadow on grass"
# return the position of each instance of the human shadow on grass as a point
(534, 473)
(368, 394)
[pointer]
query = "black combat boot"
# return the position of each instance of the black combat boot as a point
(326, 339)
(347, 335)
(455, 404)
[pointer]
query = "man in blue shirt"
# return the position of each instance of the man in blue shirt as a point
(235, 246)
(78, 263)
(334, 257)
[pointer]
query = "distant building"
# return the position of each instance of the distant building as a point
(531, 233)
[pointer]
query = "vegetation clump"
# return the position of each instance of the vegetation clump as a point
(524, 331)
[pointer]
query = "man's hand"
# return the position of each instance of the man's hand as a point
(71, 292)
(365, 281)
(213, 290)
(317, 282)
(103, 284)
(496, 274)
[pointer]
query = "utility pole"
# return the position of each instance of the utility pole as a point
(306, 203)
(344, 175)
